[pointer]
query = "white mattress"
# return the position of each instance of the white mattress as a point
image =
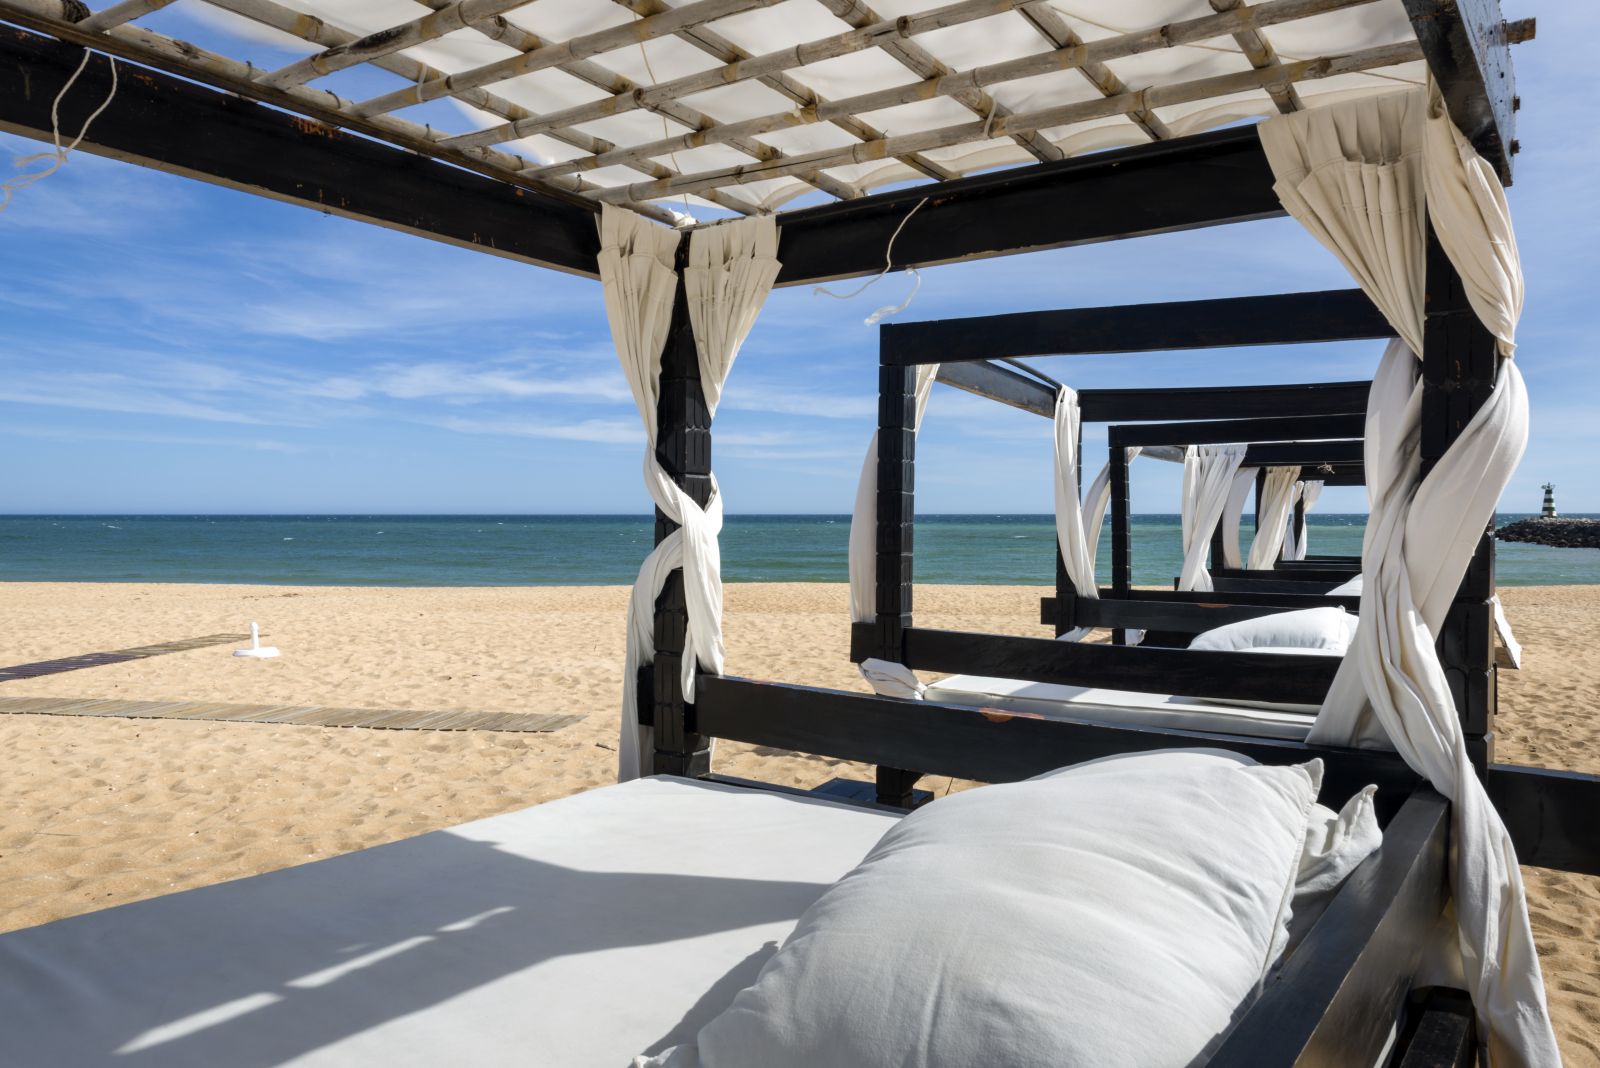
(1124, 707)
(580, 932)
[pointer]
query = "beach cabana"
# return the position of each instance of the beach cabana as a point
(637, 918)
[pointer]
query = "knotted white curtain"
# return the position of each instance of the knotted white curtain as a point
(1071, 537)
(1294, 546)
(887, 678)
(1277, 502)
(1364, 177)
(731, 269)
(1208, 472)
(1096, 500)
(1233, 512)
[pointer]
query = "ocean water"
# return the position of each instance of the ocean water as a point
(596, 550)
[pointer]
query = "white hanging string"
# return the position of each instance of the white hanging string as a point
(888, 265)
(58, 155)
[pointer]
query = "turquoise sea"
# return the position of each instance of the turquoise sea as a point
(510, 550)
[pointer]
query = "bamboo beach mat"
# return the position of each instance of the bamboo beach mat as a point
(404, 719)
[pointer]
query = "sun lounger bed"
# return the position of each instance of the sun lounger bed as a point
(580, 932)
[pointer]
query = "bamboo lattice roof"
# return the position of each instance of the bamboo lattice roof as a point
(713, 106)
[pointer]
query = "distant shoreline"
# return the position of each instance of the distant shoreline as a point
(490, 551)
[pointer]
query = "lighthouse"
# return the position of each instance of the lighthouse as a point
(1549, 510)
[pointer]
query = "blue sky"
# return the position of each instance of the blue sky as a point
(169, 346)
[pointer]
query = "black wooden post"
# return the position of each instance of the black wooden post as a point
(1066, 593)
(1459, 361)
(1299, 527)
(1121, 535)
(683, 448)
(897, 446)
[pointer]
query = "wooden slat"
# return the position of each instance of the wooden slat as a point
(378, 718)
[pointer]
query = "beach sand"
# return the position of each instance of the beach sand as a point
(96, 811)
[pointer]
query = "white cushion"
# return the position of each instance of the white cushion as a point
(1336, 843)
(1347, 589)
(1123, 707)
(1117, 913)
(1325, 629)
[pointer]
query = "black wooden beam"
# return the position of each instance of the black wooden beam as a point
(1285, 428)
(1238, 676)
(1550, 815)
(173, 125)
(1346, 454)
(1269, 603)
(1270, 582)
(1000, 384)
(1331, 575)
(1335, 998)
(992, 746)
(1179, 184)
(1468, 50)
(1218, 402)
(1175, 617)
(1277, 319)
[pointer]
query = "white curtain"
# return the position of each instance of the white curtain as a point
(1295, 546)
(1233, 513)
(1364, 177)
(1208, 472)
(887, 678)
(731, 270)
(1277, 503)
(1071, 538)
(1097, 499)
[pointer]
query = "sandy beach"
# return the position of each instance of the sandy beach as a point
(95, 812)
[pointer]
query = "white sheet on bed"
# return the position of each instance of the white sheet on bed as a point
(1121, 707)
(579, 932)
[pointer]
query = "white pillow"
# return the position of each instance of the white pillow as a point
(1336, 844)
(1347, 589)
(1116, 913)
(1324, 629)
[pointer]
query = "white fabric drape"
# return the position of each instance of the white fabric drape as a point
(1208, 472)
(1277, 503)
(1071, 538)
(1233, 513)
(731, 270)
(887, 678)
(1097, 499)
(1358, 176)
(1295, 546)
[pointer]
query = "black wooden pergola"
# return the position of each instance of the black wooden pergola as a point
(180, 112)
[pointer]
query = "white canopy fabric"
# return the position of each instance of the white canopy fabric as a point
(887, 678)
(1365, 177)
(1208, 472)
(1299, 537)
(1071, 538)
(584, 128)
(1277, 502)
(1233, 512)
(731, 270)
